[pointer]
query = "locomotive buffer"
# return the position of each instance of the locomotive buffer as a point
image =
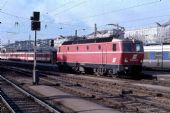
(35, 26)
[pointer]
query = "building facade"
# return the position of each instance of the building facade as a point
(156, 34)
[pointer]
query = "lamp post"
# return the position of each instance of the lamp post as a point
(162, 51)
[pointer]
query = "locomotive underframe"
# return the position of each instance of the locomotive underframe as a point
(101, 69)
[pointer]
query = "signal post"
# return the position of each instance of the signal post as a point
(35, 26)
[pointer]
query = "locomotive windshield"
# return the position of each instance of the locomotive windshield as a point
(138, 47)
(129, 47)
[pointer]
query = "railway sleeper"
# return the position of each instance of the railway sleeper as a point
(151, 104)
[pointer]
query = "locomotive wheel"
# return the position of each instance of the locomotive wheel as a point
(100, 71)
(88, 70)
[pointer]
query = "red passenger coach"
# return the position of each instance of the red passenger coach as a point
(102, 55)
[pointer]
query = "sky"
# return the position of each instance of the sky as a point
(63, 17)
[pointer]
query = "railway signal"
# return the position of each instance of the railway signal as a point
(35, 26)
(35, 23)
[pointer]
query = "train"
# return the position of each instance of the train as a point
(157, 56)
(102, 56)
(47, 55)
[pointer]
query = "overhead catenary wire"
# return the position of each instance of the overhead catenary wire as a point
(104, 25)
(118, 10)
(4, 4)
(68, 24)
(148, 3)
(61, 6)
(115, 11)
(9, 14)
(74, 6)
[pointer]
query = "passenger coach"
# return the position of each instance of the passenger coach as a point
(157, 56)
(102, 55)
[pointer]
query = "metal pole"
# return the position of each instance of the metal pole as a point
(35, 81)
(95, 30)
(29, 44)
(76, 34)
(162, 51)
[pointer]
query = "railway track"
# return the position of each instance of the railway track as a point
(131, 100)
(111, 95)
(19, 101)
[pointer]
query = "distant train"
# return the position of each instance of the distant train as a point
(42, 55)
(157, 56)
(103, 56)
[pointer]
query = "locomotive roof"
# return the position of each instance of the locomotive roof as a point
(95, 40)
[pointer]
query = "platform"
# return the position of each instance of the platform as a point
(76, 104)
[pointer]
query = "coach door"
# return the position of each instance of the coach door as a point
(159, 61)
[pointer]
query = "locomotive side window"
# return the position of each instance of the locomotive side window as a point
(87, 47)
(99, 47)
(114, 47)
(127, 47)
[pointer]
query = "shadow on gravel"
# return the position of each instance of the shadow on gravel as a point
(141, 76)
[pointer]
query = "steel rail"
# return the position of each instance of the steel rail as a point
(51, 109)
(7, 105)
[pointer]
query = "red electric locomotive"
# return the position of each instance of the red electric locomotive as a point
(102, 55)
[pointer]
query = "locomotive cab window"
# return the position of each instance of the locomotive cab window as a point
(127, 47)
(138, 47)
(114, 47)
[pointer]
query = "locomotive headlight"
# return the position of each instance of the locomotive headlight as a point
(126, 61)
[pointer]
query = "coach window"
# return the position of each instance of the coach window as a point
(99, 47)
(67, 48)
(77, 48)
(114, 47)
